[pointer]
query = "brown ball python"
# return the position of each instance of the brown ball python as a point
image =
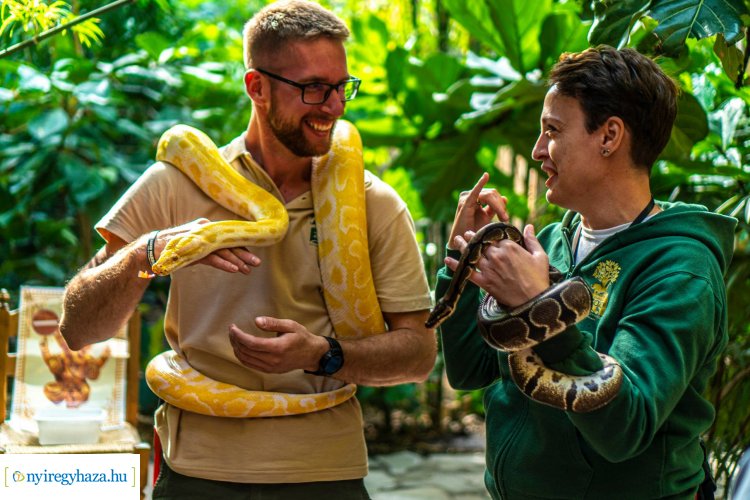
(518, 330)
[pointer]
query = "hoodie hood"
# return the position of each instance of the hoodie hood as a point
(676, 220)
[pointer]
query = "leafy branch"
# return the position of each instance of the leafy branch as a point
(25, 14)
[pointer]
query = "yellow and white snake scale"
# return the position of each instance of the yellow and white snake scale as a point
(191, 151)
(339, 203)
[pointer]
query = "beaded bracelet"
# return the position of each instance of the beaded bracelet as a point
(150, 248)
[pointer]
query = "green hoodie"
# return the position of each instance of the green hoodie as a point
(660, 311)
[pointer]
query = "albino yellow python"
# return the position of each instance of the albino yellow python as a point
(339, 202)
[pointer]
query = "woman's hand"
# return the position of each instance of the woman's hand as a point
(509, 272)
(476, 209)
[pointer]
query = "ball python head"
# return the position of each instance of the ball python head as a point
(469, 257)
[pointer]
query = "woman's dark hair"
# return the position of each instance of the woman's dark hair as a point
(624, 83)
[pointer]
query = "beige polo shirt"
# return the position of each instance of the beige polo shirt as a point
(322, 446)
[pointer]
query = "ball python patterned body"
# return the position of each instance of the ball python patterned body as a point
(339, 205)
(518, 330)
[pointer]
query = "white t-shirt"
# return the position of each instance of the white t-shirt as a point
(587, 239)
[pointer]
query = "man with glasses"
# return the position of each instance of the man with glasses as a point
(318, 92)
(298, 81)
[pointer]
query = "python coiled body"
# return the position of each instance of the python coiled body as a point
(519, 330)
(171, 377)
(339, 204)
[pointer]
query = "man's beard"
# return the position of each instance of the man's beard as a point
(293, 137)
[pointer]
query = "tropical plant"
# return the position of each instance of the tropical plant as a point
(40, 19)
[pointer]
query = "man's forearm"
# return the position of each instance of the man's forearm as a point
(395, 357)
(103, 295)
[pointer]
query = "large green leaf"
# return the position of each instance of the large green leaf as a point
(438, 72)
(510, 27)
(441, 168)
(395, 64)
(430, 91)
(614, 20)
(50, 268)
(475, 17)
(48, 124)
(731, 57)
(513, 96)
(153, 43)
(203, 74)
(69, 72)
(677, 20)
(691, 125)
(369, 43)
(32, 79)
(93, 92)
(85, 183)
(703, 90)
(691, 118)
(500, 68)
(724, 120)
(561, 32)
(385, 131)
(680, 19)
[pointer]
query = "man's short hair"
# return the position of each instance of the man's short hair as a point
(277, 24)
(624, 83)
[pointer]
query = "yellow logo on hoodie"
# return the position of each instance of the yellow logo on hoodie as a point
(606, 272)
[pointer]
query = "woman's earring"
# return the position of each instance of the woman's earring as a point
(605, 152)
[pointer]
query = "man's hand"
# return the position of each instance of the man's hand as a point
(404, 354)
(293, 348)
(231, 260)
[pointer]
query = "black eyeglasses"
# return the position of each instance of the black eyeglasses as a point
(318, 92)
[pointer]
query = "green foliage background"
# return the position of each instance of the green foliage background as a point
(446, 83)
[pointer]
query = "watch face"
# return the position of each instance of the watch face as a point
(333, 364)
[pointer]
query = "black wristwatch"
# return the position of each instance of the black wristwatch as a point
(331, 361)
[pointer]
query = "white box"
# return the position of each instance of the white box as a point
(69, 426)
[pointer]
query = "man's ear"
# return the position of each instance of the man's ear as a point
(612, 134)
(254, 87)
